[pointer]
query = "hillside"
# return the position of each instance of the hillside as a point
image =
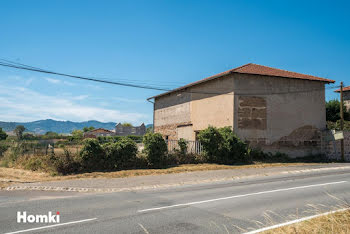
(43, 126)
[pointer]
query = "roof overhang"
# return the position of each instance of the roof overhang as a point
(243, 70)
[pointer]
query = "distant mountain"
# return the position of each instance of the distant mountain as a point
(43, 126)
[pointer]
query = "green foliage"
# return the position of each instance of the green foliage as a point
(121, 154)
(336, 125)
(149, 129)
(232, 150)
(127, 124)
(87, 129)
(211, 140)
(333, 111)
(91, 156)
(3, 147)
(65, 164)
(223, 146)
(51, 135)
(12, 154)
(111, 139)
(155, 149)
(3, 135)
(183, 144)
(34, 164)
(46, 136)
(77, 134)
(137, 139)
(19, 131)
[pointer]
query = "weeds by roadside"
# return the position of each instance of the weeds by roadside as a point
(338, 222)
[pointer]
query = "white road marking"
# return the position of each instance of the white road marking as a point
(242, 195)
(143, 228)
(51, 226)
(294, 221)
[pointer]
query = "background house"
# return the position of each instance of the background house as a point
(125, 130)
(273, 109)
(98, 132)
(346, 96)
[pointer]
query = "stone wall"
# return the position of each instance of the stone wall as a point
(252, 113)
(121, 130)
(332, 148)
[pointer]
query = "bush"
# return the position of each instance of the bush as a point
(223, 146)
(12, 154)
(3, 147)
(34, 164)
(155, 149)
(232, 150)
(65, 164)
(121, 154)
(211, 139)
(91, 156)
(3, 135)
(183, 144)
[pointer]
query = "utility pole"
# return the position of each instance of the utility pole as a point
(341, 121)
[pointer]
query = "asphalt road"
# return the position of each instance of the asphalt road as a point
(234, 207)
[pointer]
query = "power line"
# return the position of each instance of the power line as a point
(20, 66)
(118, 80)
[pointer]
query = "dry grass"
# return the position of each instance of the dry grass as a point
(10, 176)
(338, 222)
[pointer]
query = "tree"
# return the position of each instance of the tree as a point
(51, 135)
(333, 111)
(77, 134)
(87, 129)
(3, 135)
(19, 131)
(156, 149)
(91, 156)
(127, 124)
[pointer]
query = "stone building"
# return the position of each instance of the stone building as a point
(121, 130)
(98, 132)
(273, 109)
(346, 96)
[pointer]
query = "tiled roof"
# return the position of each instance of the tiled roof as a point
(255, 69)
(347, 88)
(99, 130)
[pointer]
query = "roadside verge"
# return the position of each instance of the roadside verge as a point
(176, 179)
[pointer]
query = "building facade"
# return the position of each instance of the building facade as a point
(121, 130)
(346, 96)
(98, 132)
(272, 109)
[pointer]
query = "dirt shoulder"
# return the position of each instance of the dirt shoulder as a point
(10, 176)
(189, 173)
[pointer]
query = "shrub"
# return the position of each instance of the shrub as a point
(12, 154)
(156, 149)
(91, 156)
(211, 139)
(3, 147)
(223, 146)
(232, 149)
(64, 164)
(121, 154)
(183, 144)
(34, 164)
(3, 135)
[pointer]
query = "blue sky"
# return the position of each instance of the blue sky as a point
(167, 43)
